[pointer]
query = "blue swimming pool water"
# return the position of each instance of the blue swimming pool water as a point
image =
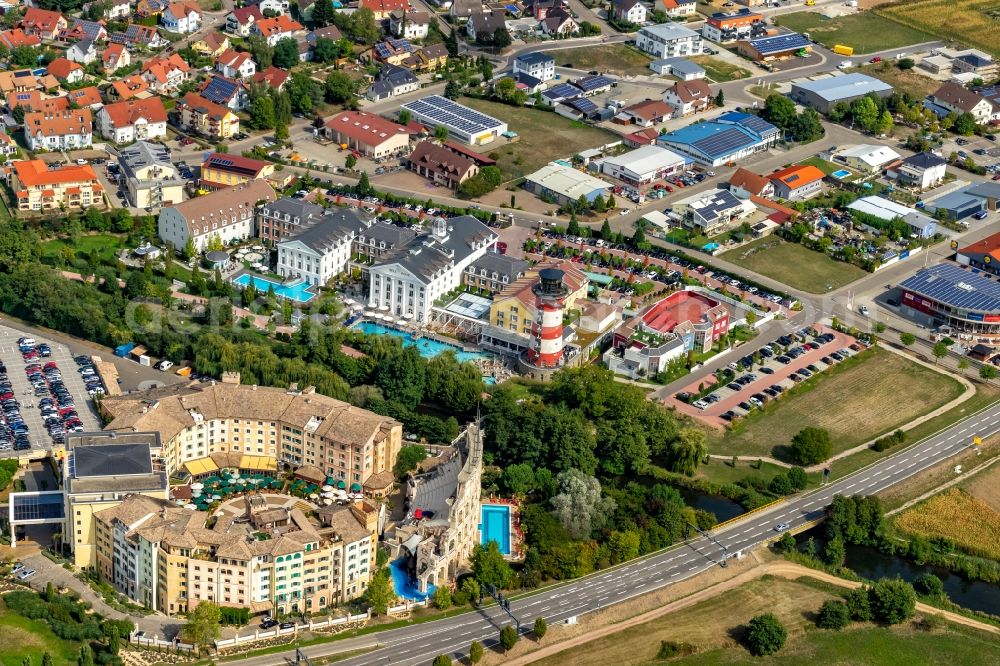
(428, 348)
(403, 585)
(496, 526)
(841, 174)
(296, 292)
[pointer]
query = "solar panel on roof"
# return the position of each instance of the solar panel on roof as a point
(722, 143)
(583, 105)
(589, 83)
(757, 124)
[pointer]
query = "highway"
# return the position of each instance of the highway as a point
(419, 644)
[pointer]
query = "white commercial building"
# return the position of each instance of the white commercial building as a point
(538, 65)
(564, 184)
(643, 165)
(867, 157)
(463, 123)
(322, 250)
(226, 214)
(669, 40)
(407, 283)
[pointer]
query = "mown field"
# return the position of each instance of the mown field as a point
(794, 265)
(620, 59)
(866, 32)
(713, 628)
(862, 398)
(972, 22)
(955, 514)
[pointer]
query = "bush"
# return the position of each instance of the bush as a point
(858, 605)
(889, 441)
(833, 614)
(671, 649)
(797, 478)
(811, 446)
(892, 600)
(929, 584)
(765, 635)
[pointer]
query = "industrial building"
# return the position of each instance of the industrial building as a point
(463, 123)
(822, 94)
(884, 209)
(731, 136)
(983, 255)
(564, 184)
(955, 296)
(774, 47)
(643, 166)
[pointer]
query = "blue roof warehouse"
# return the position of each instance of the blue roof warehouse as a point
(731, 136)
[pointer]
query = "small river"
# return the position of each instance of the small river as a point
(721, 507)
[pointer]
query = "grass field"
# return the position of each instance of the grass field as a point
(866, 32)
(909, 81)
(544, 136)
(618, 59)
(971, 523)
(722, 471)
(714, 627)
(105, 244)
(30, 638)
(859, 400)
(985, 487)
(720, 71)
(826, 167)
(969, 21)
(794, 265)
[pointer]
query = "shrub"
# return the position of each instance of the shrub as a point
(892, 600)
(889, 441)
(858, 605)
(833, 614)
(929, 584)
(671, 649)
(765, 635)
(811, 446)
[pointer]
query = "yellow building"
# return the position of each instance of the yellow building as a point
(223, 170)
(211, 45)
(207, 118)
(38, 187)
(513, 309)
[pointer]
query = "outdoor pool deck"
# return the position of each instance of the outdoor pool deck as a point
(500, 522)
(300, 292)
(427, 346)
(403, 585)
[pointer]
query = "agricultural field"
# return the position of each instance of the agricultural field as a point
(985, 487)
(866, 31)
(971, 523)
(544, 136)
(859, 400)
(619, 59)
(794, 265)
(712, 629)
(971, 22)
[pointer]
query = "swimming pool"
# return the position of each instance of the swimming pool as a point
(427, 347)
(496, 526)
(298, 292)
(403, 585)
(841, 174)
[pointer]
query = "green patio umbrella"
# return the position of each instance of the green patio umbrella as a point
(355, 487)
(341, 484)
(330, 480)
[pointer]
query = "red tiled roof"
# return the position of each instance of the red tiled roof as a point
(61, 68)
(17, 37)
(797, 175)
(748, 180)
(34, 173)
(130, 86)
(123, 114)
(204, 106)
(277, 25)
(365, 128)
(273, 76)
(42, 20)
(71, 121)
(86, 96)
(236, 163)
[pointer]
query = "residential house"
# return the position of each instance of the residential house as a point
(88, 97)
(677, 8)
(38, 187)
(236, 64)
(440, 165)
(83, 52)
(272, 77)
(305, 10)
(133, 120)
(461, 10)
(148, 176)
(230, 93)
(866, 158)
(560, 23)
(65, 130)
(392, 81)
(33, 100)
(138, 35)
(220, 170)
(198, 114)
(81, 29)
(409, 25)
(745, 184)
(273, 30)
(42, 23)
(226, 215)
(629, 11)
(669, 40)
(211, 45)
(922, 171)
(712, 212)
(273, 7)
(240, 21)
(117, 9)
(955, 98)
(8, 146)
(482, 26)
(383, 9)
(797, 182)
(165, 74)
(181, 17)
(537, 65)
(66, 71)
(688, 97)
(148, 8)
(114, 57)
(131, 86)
(16, 37)
(648, 113)
(367, 133)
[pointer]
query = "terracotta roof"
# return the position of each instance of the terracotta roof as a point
(61, 68)
(160, 68)
(273, 76)
(42, 20)
(244, 14)
(748, 180)
(277, 25)
(236, 163)
(113, 52)
(36, 173)
(384, 6)
(203, 106)
(88, 96)
(123, 114)
(179, 9)
(215, 40)
(987, 246)
(233, 58)
(797, 175)
(33, 101)
(366, 128)
(17, 37)
(650, 109)
(78, 121)
(130, 86)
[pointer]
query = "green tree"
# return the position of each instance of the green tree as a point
(442, 660)
(765, 635)
(286, 53)
(687, 450)
(350, 161)
(441, 133)
(639, 237)
(322, 14)
(339, 88)
(940, 350)
(606, 228)
(408, 459)
(86, 656)
(573, 229)
(779, 110)
(470, 586)
(452, 90)
(50, 591)
(811, 446)
(363, 28)
(380, 593)
(865, 113)
(26, 661)
(501, 38)
(490, 568)
(404, 116)
(893, 600)
(965, 124)
(508, 638)
(858, 605)
(797, 478)
(907, 339)
(442, 597)
(476, 652)
(261, 51)
(24, 56)
(281, 132)
(202, 628)
(963, 365)
(579, 506)
(363, 188)
(833, 614)
(46, 659)
(540, 628)
(928, 584)
(835, 552)
(518, 479)
(987, 371)
(720, 98)
(786, 543)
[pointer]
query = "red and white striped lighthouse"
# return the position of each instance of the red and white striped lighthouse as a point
(550, 300)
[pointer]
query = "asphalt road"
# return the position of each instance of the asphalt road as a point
(419, 644)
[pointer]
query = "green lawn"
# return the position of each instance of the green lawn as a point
(620, 59)
(107, 245)
(31, 638)
(857, 400)
(720, 71)
(826, 167)
(722, 471)
(794, 265)
(866, 32)
(544, 136)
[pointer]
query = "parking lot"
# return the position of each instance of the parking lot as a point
(24, 393)
(749, 379)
